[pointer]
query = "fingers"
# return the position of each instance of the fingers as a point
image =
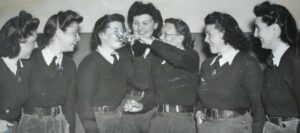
(133, 106)
(4, 125)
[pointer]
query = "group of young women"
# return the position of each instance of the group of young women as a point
(147, 78)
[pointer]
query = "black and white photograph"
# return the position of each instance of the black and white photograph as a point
(149, 66)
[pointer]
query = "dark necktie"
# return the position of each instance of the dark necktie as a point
(216, 65)
(139, 48)
(269, 61)
(53, 64)
(115, 58)
(18, 73)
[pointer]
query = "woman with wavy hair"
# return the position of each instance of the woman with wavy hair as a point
(230, 81)
(51, 106)
(277, 31)
(17, 40)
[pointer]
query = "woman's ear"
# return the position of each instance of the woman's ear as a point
(276, 30)
(100, 35)
(59, 34)
(180, 38)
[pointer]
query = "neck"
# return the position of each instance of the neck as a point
(278, 45)
(55, 48)
(107, 48)
(226, 49)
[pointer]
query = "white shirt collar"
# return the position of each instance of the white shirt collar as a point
(278, 54)
(11, 64)
(107, 54)
(228, 57)
(48, 56)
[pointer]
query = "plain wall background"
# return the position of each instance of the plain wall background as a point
(191, 11)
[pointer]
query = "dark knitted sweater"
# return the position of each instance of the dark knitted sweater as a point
(101, 83)
(50, 88)
(13, 94)
(233, 87)
(175, 81)
(281, 87)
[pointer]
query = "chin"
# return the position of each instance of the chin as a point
(26, 57)
(213, 51)
(118, 46)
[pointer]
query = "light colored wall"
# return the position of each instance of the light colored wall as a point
(191, 11)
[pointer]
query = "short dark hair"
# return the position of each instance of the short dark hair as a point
(233, 35)
(61, 20)
(140, 8)
(14, 31)
(278, 14)
(183, 29)
(102, 24)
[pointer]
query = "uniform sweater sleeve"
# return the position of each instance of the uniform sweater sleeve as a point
(69, 106)
(185, 59)
(199, 104)
(253, 82)
(86, 86)
(296, 85)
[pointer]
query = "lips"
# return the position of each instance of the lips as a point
(142, 33)
(74, 43)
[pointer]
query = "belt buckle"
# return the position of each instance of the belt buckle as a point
(166, 108)
(55, 111)
(276, 120)
(215, 113)
(177, 108)
(104, 109)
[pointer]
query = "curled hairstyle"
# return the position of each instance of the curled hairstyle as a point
(183, 29)
(139, 8)
(233, 35)
(102, 24)
(277, 14)
(15, 31)
(61, 20)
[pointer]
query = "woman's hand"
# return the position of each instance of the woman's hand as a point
(145, 40)
(199, 116)
(4, 125)
(133, 106)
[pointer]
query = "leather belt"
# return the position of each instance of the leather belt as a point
(53, 111)
(104, 108)
(174, 108)
(216, 113)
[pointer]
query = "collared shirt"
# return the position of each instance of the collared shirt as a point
(11, 64)
(108, 54)
(227, 57)
(48, 56)
(278, 54)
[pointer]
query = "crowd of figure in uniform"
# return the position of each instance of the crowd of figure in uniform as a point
(146, 78)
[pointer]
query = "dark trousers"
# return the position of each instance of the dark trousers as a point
(44, 124)
(136, 123)
(290, 127)
(239, 124)
(171, 122)
(108, 122)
